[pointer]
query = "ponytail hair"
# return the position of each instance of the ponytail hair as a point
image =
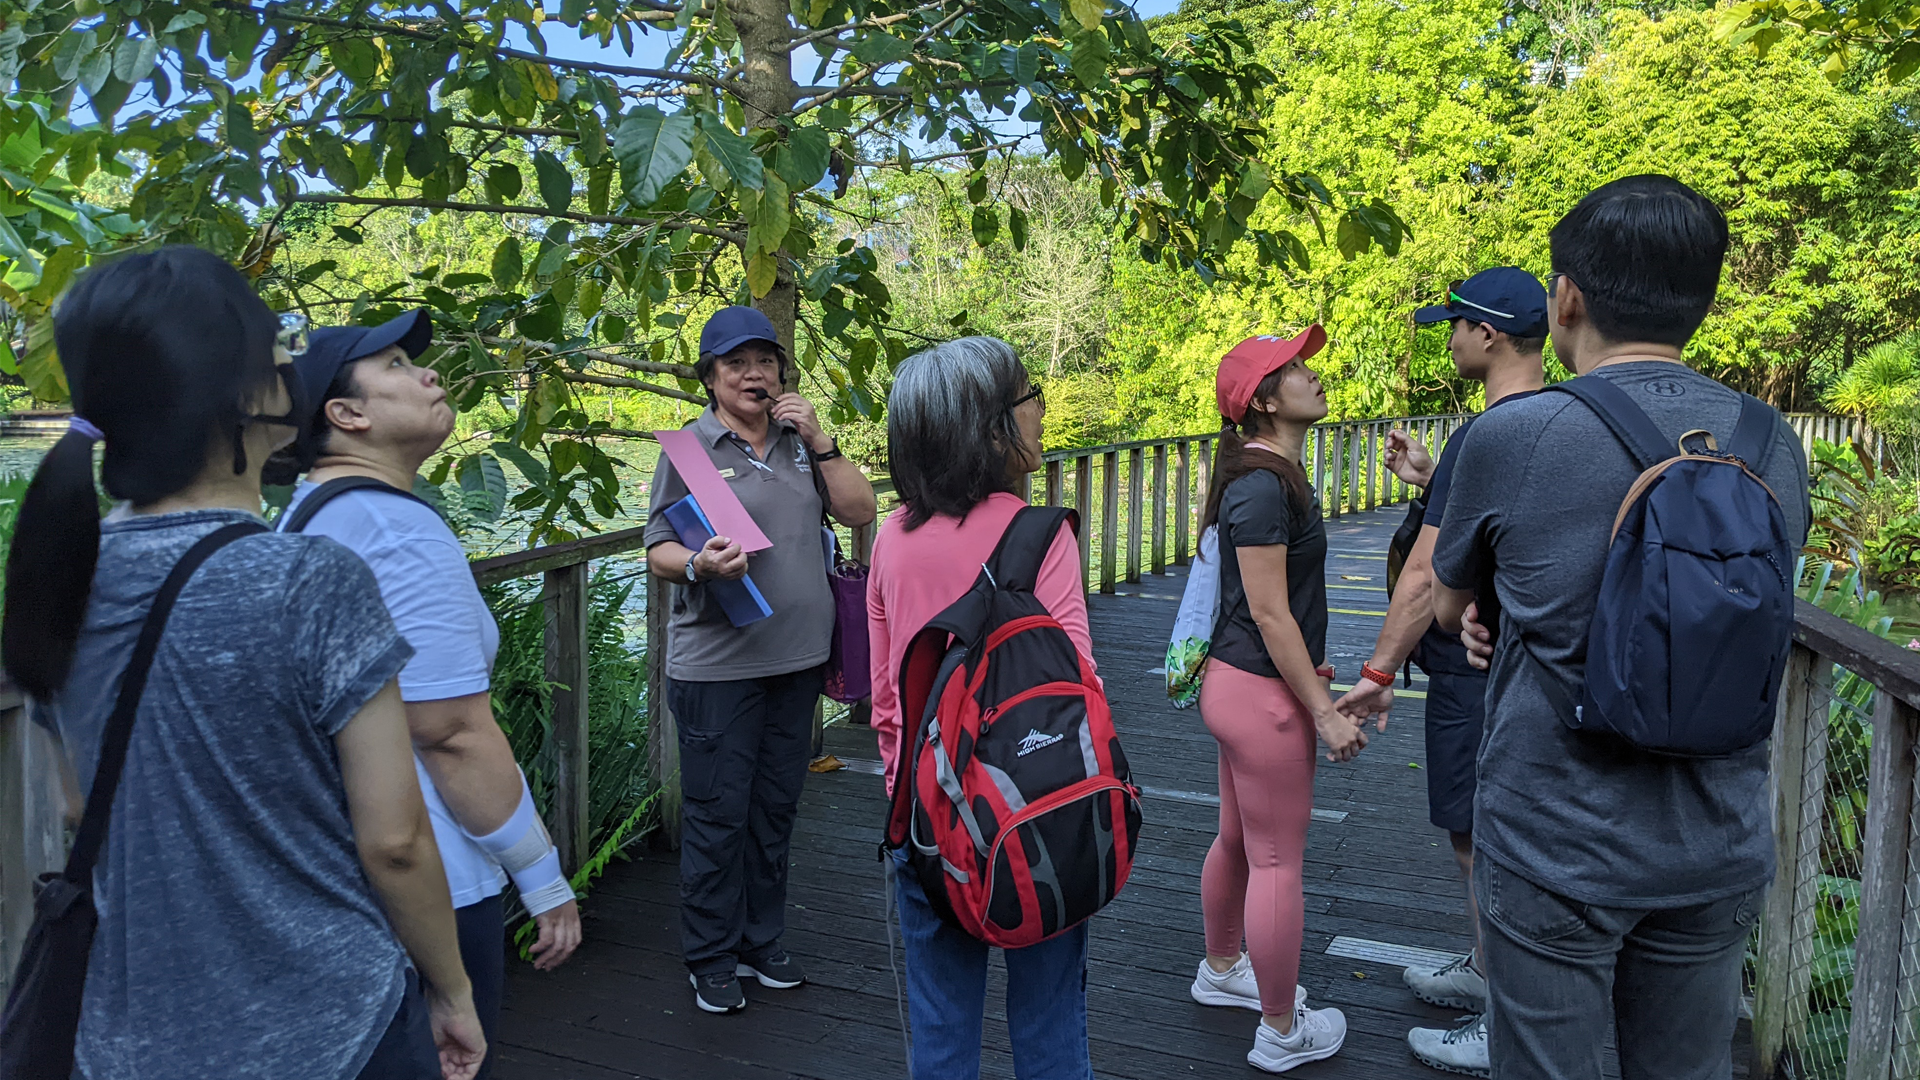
(1236, 459)
(162, 351)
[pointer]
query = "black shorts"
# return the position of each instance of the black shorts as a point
(1456, 714)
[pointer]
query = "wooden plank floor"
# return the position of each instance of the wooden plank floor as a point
(623, 1008)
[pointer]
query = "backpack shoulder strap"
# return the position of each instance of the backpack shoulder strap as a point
(133, 682)
(296, 520)
(1023, 547)
(1753, 440)
(1626, 419)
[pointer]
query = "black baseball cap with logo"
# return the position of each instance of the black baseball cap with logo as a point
(1506, 298)
(330, 348)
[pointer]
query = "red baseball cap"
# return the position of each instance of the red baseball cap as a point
(1254, 359)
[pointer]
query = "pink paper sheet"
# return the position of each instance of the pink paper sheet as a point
(717, 500)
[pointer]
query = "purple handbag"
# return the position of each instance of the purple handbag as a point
(849, 676)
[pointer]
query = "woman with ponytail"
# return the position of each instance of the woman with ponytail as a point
(1263, 695)
(268, 865)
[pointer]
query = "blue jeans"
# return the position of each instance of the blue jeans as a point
(1559, 970)
(947, 996)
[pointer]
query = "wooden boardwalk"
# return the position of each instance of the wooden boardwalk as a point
(1379, 878)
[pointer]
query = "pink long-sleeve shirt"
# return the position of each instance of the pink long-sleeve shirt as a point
(916, 574)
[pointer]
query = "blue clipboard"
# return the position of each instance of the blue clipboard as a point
(741, 600)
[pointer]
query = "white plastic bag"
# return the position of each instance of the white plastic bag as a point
(1193, 626)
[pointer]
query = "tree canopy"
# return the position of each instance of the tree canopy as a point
(674, 161)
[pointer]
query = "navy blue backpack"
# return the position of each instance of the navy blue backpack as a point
(1695, 614)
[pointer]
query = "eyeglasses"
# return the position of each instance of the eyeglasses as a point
(1453, 294)
(292, 335)
(1036, 394)
(1553, 280)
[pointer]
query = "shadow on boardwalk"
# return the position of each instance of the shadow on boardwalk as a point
(1378, 877)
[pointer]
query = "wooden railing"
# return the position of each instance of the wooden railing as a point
(1845, 902)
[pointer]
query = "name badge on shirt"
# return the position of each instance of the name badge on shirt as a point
(726, 474)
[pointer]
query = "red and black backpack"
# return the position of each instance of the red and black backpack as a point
(1011, 796)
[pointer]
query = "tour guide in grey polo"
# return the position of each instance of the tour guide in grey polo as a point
(744, 696)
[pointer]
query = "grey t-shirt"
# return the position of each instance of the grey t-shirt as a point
(239, 936)
(781, 496)
(1533, 499)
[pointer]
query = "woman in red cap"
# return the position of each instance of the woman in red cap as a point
(1264, 696)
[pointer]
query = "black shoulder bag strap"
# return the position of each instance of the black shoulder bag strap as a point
(43, 1008)
(1023, 548)
(1752, 440)
(296, 519)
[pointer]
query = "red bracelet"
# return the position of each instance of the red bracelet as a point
(1375, 675)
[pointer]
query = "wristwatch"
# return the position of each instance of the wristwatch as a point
(832, 452)
(691, 577)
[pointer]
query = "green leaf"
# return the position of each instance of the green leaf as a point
(552, 260)
(881, 48)
(733, 152)
(804, 163)
(464, 281)
(504, 181)
(240, 132)
(1017, 226)
(986, 225)
(337, 164)
(1026, 63)
(95, 70)
(1089, 59)
(482, 475)
(653, 149)
(348, 235)
(977, 188)
(507, 264)
(556, 184)
(1088, 13)
(133, 58)
(762, 271)
(529, 466)
(40, 367)
(356, 58)
(16, 249)
(772, 217)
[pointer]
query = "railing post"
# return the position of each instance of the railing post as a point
(1158, 549)
(663, 732)
(1318, 433)
(1083, 501)
(1182, 498)
(32, 824)
(1203, 482)
(1884, 870)
(1109, 515)
(1053, 484)
(1136, 481)
(1356, 449)
(566, 602)
(1799, 771)
(1373, 462)
(1026, 488)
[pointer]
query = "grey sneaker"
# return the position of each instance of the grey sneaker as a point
(718, 992)
(1234, 987)
(1316, 1034)
(1452, 985)
(1462, 1050)
(777, 972)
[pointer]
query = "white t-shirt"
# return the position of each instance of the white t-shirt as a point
(429, 591)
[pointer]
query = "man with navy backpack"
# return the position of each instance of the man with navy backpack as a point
(1622, 832)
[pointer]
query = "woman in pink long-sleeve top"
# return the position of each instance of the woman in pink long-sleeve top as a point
(963, 429)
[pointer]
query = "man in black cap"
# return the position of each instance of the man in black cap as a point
(376, 417)
(743, 697)
(1499, 327)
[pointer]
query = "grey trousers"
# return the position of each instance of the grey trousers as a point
(1559, 972)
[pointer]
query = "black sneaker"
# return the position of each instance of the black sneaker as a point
(777, 971)
(718, 992)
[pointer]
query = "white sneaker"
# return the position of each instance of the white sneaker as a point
(1233, 988)
(1461, 1050)
(1316, 1034)
(1452, 985)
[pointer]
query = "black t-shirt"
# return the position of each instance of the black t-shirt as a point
(1256, 511)
(1437, 650)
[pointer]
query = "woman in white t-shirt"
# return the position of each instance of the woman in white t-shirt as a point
(377, 417)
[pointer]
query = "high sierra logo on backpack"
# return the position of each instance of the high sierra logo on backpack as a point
(1011, 796)
(1694, 618)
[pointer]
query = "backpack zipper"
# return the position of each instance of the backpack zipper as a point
(1052, 689)
(1091, 786)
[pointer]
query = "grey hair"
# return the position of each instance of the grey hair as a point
(950, 426)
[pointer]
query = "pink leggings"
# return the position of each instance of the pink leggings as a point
(1251, 882)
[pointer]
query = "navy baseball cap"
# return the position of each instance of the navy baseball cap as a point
(1506, 298)
(330, 348)
(732, 327)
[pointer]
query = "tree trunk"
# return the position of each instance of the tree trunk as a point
(768, 95)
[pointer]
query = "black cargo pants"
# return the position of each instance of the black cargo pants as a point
(744, 749)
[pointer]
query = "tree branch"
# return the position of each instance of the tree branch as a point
(630, 384)
(881, 22)
(681, 371)
(529, 211)
(868, 72)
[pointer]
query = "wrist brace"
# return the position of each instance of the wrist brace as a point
(526, 853)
